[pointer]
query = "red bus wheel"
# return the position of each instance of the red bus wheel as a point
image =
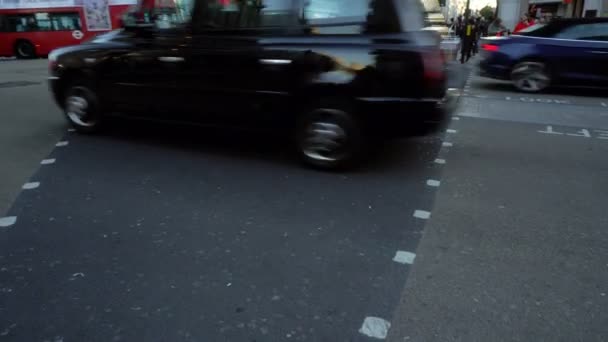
(24, 49)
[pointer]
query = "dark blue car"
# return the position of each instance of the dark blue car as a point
(565, 52)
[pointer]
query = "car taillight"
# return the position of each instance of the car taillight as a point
(434, 67)
(52, 65)
(489, 47)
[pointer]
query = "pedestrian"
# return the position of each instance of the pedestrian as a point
(496, 28)
(459, 25)
(524, 22)
(467, 39)
(477, 35)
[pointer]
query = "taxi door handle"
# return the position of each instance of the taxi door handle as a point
(171, 59)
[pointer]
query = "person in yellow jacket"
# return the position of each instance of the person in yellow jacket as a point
(467, 38)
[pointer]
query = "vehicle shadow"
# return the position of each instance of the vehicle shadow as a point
(254, 146)
(505, 86)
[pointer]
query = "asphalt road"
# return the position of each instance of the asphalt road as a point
(155, 233)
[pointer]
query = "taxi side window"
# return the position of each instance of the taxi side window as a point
(243, 14)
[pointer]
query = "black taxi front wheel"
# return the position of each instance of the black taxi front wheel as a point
(81, 108)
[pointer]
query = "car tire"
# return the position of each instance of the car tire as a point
(531, 76)
(81, 108)
(24, 49)
(330, 137)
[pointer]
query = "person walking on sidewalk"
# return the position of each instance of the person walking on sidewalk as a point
(467, 39)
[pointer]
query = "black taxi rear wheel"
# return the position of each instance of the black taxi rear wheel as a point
(330, 137)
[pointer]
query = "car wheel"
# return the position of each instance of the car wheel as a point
(531, 76)
(330, 137)
(81, 108)
(24, 49)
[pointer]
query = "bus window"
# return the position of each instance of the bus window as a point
(66, 21)
(3, 23)
(42, 21)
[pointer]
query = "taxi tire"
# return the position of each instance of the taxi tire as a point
(332, 119)
(82, 90)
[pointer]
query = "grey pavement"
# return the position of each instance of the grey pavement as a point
(516, 249)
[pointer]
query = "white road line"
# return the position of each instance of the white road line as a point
(455, 118)
(375, 327)
(422, 214)
(71, 130)
(584, 133)
(550, 131)
(433, 182)
(452, 131)
(30, 186)
(604, 104)
(403, 257)
(440, 161)
(47, 161)
(7, 221)
(61, 144)
(447, 144)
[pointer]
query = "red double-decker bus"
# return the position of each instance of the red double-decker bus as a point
(33, 28)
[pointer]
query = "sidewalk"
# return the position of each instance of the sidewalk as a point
(517, 245)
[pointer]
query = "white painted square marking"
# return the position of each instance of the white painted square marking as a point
(403, 257)
(440, 161)
(422, 214)
(447, 144)
(61, 144)
(452, 131)
(550, 131)
(47, 161)
(31, 185)
(7, 221)
(432, 182)
(375, 327)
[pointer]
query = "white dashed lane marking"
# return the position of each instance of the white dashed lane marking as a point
(375, 327)
(47, 161)
(7, 221)
(71, 130)
(440, 161)
(455, 118)
(447, 144)
(452, 131)
(61, 144)
(31, 185)
(433, 182)
(403, 257)
(422, 214)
